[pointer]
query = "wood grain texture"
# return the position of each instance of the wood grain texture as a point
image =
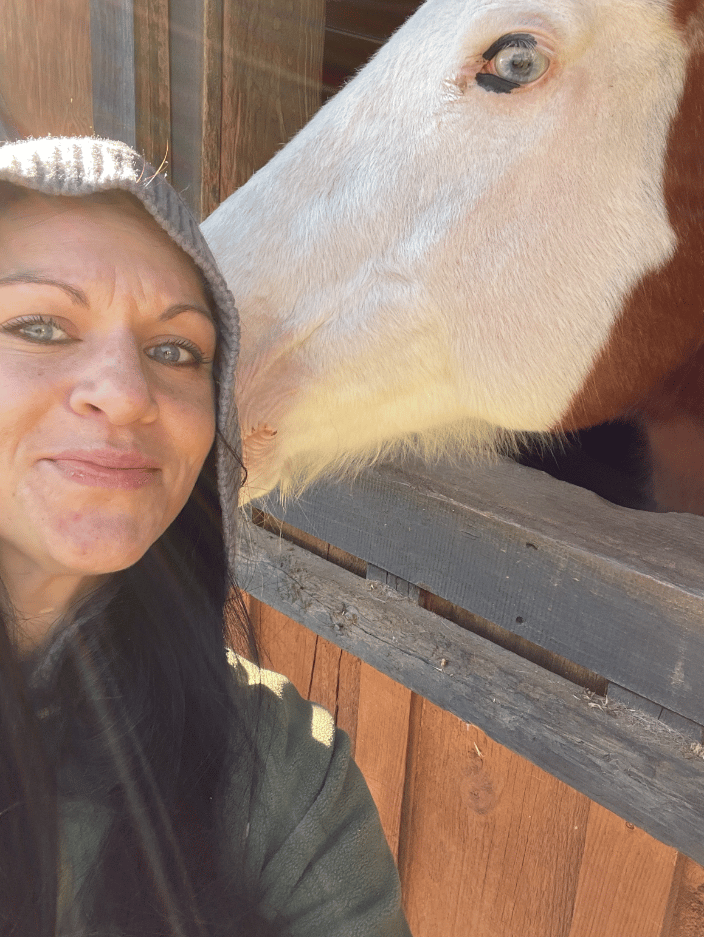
(637, 768)
(323, 687)
(400, 585)
(272, 66)
(382, 743)
(515, 643)
(493, 845)
(632, 701)
(187, 66)
(113, 69)
(488, 844)
(615, 591)
(152, 81)
(310, 543)
(211, 107)
(348, 696)
(319, 669)
(44, 90)
(688, 905)
(286, 650)
(624, 882)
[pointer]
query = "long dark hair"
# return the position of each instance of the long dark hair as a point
(136, 694)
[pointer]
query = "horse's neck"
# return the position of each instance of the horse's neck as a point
(673, 420)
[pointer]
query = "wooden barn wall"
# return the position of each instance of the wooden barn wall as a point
(488, 845)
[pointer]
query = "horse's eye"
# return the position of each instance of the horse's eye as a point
(512, 61)
(520, 65)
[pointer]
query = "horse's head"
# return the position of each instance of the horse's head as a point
(494, 228)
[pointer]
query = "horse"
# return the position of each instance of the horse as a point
(493, 233)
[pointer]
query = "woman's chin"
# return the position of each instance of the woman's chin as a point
(102, 563)
(98, 548)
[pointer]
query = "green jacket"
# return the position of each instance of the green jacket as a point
(313, 844)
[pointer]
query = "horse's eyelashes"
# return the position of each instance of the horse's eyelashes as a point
(522, 40)
(494, 83)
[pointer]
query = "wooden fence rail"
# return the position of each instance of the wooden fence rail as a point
(641, 769)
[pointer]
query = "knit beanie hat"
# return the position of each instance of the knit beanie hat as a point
(86, 165)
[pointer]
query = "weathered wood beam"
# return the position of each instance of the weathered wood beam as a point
(645, 772)
(617, 591)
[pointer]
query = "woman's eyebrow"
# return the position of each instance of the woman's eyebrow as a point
(78, 296)
(178, 308)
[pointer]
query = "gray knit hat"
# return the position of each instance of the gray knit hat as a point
(85, 165)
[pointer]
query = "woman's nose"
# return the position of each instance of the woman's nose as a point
(112, 381)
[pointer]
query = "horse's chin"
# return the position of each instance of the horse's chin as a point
(275, 460)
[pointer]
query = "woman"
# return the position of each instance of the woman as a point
(147, 785)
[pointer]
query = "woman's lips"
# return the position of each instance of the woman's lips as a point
(106, 469)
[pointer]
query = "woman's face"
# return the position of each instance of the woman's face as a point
(106, 388)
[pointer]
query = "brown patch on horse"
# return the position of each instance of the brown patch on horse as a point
(677, 464)
(673, 421)
(662, 325)
(684, 10)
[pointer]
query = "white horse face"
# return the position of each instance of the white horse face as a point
(445, 252)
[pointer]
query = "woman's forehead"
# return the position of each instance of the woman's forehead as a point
(91, 236)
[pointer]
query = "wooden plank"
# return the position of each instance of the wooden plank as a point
(44, 89)
(411, 797)
(112, 55)
(493, 844)
(618, 592)
(301, 538)
(325, 675)
(625, 877)
(382, 740)
(688, 912)
(347, 717)
(272, 70)
(211, 85)
(632, 701)
(515, 643)
(634, 766)
(152, 81)
(186, 18)
(286, 650)
(195, 51)
(400, 585)
(320, 670)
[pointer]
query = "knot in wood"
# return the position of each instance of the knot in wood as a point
(350, 614)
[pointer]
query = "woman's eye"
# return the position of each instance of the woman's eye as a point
(514, 61)
(38, 329)
(176, 353)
